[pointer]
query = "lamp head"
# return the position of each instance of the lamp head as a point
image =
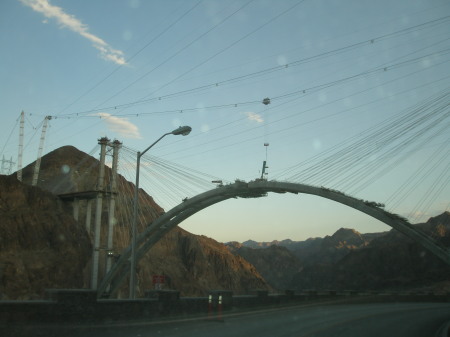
(182, 130)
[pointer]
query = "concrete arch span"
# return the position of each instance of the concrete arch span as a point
(253, 189)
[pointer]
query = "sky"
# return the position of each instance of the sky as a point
(334, 71)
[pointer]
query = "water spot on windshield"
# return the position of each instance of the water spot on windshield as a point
(135, 4)
(205, 128)
(127, 35)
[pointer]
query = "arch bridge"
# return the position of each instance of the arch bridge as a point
(253, 189)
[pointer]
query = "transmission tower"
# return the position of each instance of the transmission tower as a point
(7, 166)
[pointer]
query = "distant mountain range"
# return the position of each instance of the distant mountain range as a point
(351, 260)
(324, 250)
(342, 235)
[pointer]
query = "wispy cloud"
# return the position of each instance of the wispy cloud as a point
(122, 126)
(254, 116)
(71, 22)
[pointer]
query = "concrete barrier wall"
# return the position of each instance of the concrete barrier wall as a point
(68, 305)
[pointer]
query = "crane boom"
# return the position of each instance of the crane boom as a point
(19, 158)
(37, 165)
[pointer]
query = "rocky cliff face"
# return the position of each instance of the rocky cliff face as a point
(68, 170)
(196, 264)
(336, 247)
(344, 237)
(41, 245)
(277, 264)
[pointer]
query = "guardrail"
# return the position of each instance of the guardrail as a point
(82, 305)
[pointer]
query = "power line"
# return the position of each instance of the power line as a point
(297, 113)
(177, 53)
(315, 88)
(265, 72)
(132, 56)
(10, 134)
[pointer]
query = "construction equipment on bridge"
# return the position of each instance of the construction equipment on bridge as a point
(218, 182)
(263, 172)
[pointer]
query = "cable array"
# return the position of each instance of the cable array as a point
(362, 160)
(167, 182)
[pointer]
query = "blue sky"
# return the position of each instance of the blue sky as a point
(136, 69)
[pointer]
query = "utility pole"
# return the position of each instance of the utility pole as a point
(98, 213)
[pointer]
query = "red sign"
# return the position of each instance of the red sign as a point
(159, 279)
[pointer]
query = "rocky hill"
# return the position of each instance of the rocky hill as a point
(195, 264)
(276, 264)
(42, 246)
(332, 248)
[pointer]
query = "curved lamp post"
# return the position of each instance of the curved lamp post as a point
(182, 130)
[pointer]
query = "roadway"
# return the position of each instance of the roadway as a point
(394, 319)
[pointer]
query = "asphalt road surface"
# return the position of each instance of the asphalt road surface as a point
(401, 319)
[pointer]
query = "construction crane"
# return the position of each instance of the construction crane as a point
(37, 165)
(19, 158)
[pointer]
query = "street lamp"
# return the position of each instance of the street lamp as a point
(182, 130)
